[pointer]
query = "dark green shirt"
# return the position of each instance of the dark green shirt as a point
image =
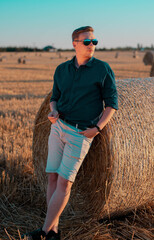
(81, 93)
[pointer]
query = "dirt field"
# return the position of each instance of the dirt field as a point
(23, 88)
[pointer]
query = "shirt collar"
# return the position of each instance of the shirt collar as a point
(88, 64)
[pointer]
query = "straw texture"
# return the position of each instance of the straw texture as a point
(148, 58)
(116, 175)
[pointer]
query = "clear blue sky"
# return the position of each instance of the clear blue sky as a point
(51, 22)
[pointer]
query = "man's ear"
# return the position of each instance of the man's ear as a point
(74, 45)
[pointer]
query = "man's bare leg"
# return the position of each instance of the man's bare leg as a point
(57, 203)
(52, 184)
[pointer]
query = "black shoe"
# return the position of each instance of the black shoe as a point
(51, 235)
(38, 234)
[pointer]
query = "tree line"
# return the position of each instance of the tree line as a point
(31, 49)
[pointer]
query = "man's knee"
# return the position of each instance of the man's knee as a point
(52, 177)
(64, 185)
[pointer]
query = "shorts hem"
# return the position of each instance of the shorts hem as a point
(51, 171)
(66, 177)
(61, 174)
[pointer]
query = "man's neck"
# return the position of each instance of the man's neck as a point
(80, 61)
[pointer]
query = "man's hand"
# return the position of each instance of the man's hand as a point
(53, 116)
(90, 133)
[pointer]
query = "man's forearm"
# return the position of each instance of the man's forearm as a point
(107, 115)
(53, 106)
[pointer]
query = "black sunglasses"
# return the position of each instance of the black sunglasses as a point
(86, 42)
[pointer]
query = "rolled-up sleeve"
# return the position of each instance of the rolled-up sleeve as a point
(55, 91)
(109, 90)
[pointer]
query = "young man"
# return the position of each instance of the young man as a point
(81, 87)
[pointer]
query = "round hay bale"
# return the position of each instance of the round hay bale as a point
(116, 175)
(116, 55)
(135, 55)
(4, 58)
(19, 60)
(152, 70)
(148, 58)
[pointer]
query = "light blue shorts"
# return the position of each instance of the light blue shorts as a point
(66, 150)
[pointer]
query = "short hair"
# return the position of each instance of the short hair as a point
(77, 31)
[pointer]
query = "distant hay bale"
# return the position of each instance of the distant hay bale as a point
(19, 60)
(22, 60)
(134, 54)
(1, 59)
(148, 58)
(152, 70)
(60, 55)
(116, 175)
(116, 55)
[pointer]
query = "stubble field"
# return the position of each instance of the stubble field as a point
(23, 88)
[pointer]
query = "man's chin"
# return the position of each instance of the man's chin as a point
(90, 54)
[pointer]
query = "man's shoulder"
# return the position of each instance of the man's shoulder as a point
(102, 66)
(63, 65)
(101, 63)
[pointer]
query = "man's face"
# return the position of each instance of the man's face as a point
(81, 49)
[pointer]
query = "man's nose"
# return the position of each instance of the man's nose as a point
(91, 44)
